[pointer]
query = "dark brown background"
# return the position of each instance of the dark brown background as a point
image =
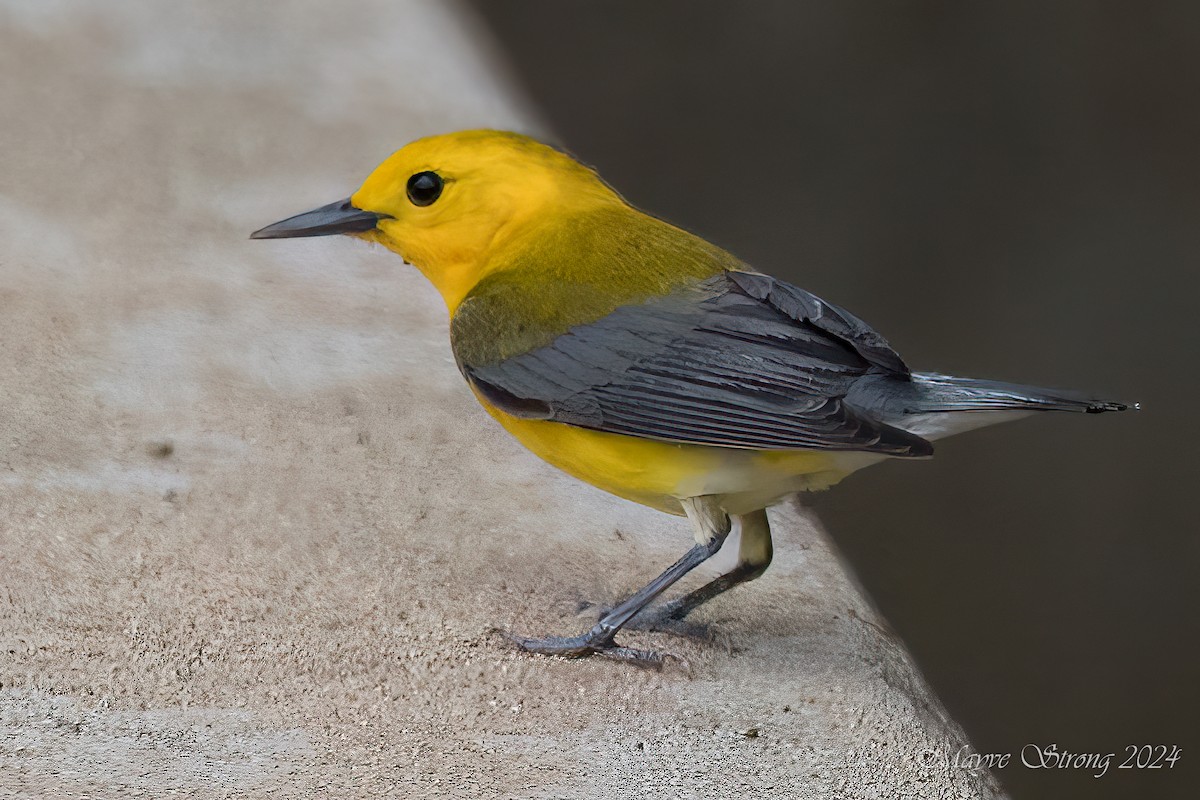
(1008, 191)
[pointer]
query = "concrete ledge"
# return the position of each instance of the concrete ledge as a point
(254, 533)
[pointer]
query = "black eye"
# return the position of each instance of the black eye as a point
(424, 188)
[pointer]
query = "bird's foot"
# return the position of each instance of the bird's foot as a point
(663, 618)
(589, 644)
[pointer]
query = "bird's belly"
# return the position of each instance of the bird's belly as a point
(658, 474)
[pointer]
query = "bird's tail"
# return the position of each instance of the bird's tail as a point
(931, 392)
(928, 404)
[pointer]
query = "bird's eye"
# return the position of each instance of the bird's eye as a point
(424, 188)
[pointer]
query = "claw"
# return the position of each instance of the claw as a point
(599, 640)
(587, 645)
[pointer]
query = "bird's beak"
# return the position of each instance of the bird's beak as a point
(339, 217)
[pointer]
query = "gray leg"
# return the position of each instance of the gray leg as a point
(754, 556)
(712, 526)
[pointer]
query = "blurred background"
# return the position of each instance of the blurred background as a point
(1008, 191)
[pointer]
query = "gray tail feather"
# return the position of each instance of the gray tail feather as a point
(935, 392)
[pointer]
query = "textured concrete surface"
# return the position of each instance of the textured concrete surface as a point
(255, 534)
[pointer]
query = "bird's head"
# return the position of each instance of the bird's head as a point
(449, 204)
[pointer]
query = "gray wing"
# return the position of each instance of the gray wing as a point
(741, 360)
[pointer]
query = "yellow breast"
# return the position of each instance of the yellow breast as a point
(659, 474)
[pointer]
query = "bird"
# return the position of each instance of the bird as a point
(645, 360)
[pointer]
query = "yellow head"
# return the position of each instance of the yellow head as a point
(449, 204)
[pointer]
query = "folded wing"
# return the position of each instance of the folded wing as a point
(740, 360)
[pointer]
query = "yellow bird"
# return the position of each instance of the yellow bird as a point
(644, 360)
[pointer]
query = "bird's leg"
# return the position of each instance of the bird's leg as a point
(712, 526)
(754, 556)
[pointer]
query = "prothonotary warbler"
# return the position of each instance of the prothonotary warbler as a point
(644, 360)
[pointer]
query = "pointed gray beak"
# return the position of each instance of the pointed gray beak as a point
(339, 217)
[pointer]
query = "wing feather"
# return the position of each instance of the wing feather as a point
(740, 360)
